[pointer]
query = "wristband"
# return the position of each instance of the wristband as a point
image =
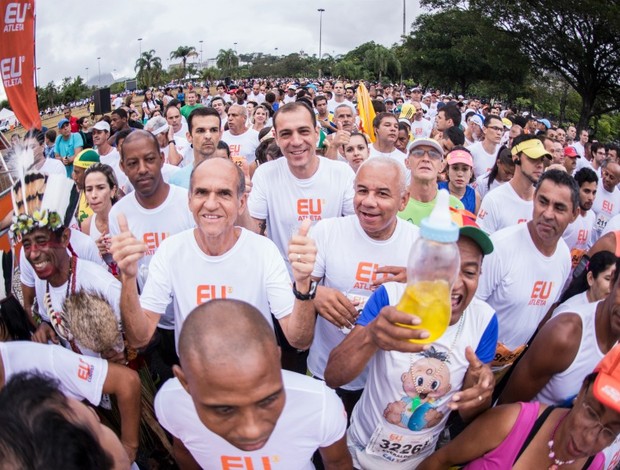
(309, 296)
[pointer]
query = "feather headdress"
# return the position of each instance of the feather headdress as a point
(39, 200)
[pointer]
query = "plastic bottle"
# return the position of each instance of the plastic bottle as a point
(432, 268)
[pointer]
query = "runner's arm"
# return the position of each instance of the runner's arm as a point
(124, 383)
(552, 351)
(183, 458)
(298, 327)
(139, 324)
(337, 456)
(483, 435)
(348, 359)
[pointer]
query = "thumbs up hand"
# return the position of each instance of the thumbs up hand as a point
(302, 253)
(126, 249)
(341, 137)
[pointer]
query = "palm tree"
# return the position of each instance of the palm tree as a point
(183, 52)
(227, 60)
(149, 68)
(380, 59)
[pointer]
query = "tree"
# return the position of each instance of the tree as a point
(149, 69)
(72, 90)
(227, 61)
(455, 49)
(576, 39)
(183, 52)
(382, 61)
(210, 73)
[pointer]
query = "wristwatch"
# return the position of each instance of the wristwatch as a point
(309, 296)
(172, 142)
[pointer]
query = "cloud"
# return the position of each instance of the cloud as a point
(71, 35)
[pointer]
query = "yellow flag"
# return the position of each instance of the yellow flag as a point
(365, 111)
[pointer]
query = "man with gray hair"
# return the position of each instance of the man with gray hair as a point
(357, 253)
(241, 140)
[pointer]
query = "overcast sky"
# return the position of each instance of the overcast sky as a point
(72, 34)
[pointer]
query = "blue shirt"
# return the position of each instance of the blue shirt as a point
(66, 148)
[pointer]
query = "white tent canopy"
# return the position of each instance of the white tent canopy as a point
(6, 113)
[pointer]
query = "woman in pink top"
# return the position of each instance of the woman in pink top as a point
(535, 436)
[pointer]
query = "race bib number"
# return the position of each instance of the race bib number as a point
(359, 301)
(601, 222)
(398, 448)
(504, 357)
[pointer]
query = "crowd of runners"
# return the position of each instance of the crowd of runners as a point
(209, 279)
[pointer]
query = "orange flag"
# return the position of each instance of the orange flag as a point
(17, 65)
(366, 111)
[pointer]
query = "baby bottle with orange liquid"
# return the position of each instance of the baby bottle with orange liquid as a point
(432, 268)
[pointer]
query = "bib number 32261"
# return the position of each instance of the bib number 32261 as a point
(397, 447)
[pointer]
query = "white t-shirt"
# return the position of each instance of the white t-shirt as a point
(483, 161)
(421, 128)
(564, 386)
(152, 226)
(313, 417)
(502, 207)
(244, 144)
(251, 270)
(182, 132)
(584, 163)
(113, 158)
(259, 98)
(90, 277)
(406, 396)
(333, 104)
(606, 205)
(284, 201)
(577, 236)
(482, 184)
(520, 283)
(580, 149)
(347, 258)
(81, 377)
(84, 247)
(396, 154)
(612, 226)
(53, 166)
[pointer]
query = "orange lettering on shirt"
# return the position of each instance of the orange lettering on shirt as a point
(582, 236)
(541, 290)
(366, 272)
(309, 206)
(482, 214)
(83, 372)
(521, 221)
(153, 239)
(244, 463)
(235, 149)
(608, 206)
(206, 292)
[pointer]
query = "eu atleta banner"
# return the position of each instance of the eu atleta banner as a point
(17, 66)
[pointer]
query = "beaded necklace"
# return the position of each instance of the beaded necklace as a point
(557, 463)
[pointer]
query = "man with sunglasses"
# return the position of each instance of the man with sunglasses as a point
(511, 204)
(485, 151)
(425, 160)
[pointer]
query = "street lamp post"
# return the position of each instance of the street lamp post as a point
(140, 43)
(99, 68)
(320, 10)
(200, 53)
(87, 75)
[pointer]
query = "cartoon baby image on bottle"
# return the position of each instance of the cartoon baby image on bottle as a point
(427, 380)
